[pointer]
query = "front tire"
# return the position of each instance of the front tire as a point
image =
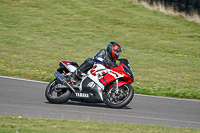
(56, 96)
(121, 98)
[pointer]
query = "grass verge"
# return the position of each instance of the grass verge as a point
(10, 124)
(163, 50)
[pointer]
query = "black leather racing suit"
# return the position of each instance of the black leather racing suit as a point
(102, 57)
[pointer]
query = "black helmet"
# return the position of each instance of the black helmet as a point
(114, 49)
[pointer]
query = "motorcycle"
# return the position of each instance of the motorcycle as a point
(100, 84)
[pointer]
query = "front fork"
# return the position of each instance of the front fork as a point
(116, 83)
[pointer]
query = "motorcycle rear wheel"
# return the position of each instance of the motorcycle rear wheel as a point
(121, 98)
(54, 95)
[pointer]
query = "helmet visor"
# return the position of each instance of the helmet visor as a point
(117, 52)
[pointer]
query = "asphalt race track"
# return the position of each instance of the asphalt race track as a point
(20, 97)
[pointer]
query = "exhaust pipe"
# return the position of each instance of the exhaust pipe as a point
(63, 80)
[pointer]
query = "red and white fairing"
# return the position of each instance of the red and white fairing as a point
(102, 76)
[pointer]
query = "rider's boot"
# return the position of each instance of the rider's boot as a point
(74, 76)
(83, 67)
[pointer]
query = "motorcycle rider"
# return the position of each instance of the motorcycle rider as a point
(106, 57)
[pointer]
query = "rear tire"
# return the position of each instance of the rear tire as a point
(122, 98)
(56, 96)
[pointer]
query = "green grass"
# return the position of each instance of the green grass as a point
(10, 124)
(163, 50)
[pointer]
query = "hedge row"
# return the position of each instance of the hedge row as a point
(188, 6)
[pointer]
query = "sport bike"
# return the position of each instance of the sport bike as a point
(99, 84)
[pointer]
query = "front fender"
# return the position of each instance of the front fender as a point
(120, 83)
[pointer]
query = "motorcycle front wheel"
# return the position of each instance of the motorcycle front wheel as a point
(120, 98)
(56, 95)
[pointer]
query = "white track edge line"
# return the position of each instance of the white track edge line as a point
(23, 79)
(161, 97)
